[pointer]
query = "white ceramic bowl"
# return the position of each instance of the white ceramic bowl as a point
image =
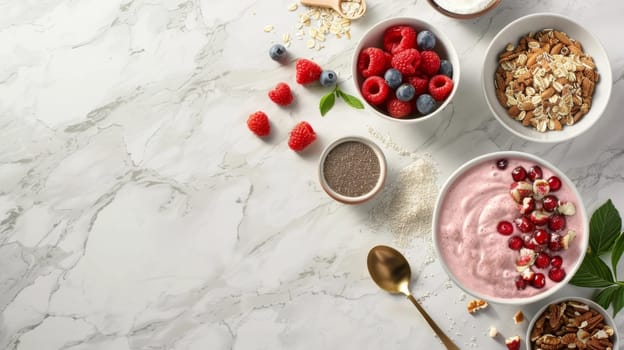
(349, 199)
(531, 24)
(484, 212)
(608, 320)
(374, 38)
(472, 10)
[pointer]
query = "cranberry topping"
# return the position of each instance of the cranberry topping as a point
(555, 243)
(538, 281)
(535, 172)
(556, 274)
(554, 182)
(518, 173)
(525, 224)
(515, 243)
(542, 260)
(504, 228)
(520, 283)
(550, 203)
(556, 261)
(556, 222)
(529, 242)
(539, 217)
(527, 206)
(541, 236)
(502, 164)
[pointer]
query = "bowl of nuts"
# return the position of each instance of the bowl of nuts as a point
(510, 228)
(406, 70)
(572, 323)
(546, 78)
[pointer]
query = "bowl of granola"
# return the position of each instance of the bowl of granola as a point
(572, 323)
(546, 78)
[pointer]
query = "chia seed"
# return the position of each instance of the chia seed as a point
(351, 169)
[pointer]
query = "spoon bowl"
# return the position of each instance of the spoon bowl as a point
(391, 272)
(353, 10)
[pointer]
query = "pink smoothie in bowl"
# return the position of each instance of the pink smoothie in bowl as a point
(508, 231)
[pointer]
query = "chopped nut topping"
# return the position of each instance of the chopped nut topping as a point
(476, 304)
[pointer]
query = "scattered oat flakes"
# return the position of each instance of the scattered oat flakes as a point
(518, 317)
(476, 304)
(493, 332)
(268, 28)
(293, 7)
(322, 23)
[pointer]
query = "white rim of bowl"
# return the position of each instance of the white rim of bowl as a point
(599, 45)
(580, 208)
(359, 199)
(592, 304)
(448, 45)
(469, 15)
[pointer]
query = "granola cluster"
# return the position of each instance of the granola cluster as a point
(547, 81)
(571, 325)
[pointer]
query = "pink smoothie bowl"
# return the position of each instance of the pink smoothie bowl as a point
(482, 208)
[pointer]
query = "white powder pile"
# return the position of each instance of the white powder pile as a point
(407, 206)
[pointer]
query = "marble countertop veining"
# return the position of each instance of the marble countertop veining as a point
(138, 212)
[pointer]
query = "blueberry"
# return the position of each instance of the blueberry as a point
(393, 78)
(328, 78)
(426, 40)
(425, 104)
(277, 52)
(446, 68)
(405, 92)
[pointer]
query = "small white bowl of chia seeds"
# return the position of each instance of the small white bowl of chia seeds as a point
(352, 170)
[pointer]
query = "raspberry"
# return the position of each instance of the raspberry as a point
(301, 136)
(399, 38)
(398, 108)
(388, 56)
(420, 82)
(281, 94)
(440, 87)
(307, 71)
(430, 63)
(407, 61)
(375, 90)
(258, 123)
(371, 61)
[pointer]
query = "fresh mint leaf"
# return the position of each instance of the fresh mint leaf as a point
(604, 227)
(618, 300)
(605, 297)
(616, 253)
(593, 273)
(327, 102)
(350, 100)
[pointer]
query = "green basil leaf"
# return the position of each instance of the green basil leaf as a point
(616, 253)
(604, 227)
(618, 300)
(593, 273)
(351, 100)
(605, 296)
(327, 102)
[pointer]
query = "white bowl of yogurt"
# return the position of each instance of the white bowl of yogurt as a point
(464, 9)
(510, 238)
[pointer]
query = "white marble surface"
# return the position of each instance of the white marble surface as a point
(138, 212)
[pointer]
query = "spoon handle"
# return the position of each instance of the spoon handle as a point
(439, 332)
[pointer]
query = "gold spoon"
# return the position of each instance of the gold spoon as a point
(336, 5)
(391, 271)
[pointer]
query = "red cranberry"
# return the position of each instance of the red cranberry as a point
(535, 172)
(527, 206)
(554, 182)
(529, 242)
(538, 281)
(525, 224)
(528, 274)
(541, 236)
(556, 274)
(515, 243)
(520, 283)
(556, 261)
(556, 222)
(539, 217)
(555, 243)
(542, 260)
(550, 203)
(502, 164)
(504, 228)
(519, 173)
